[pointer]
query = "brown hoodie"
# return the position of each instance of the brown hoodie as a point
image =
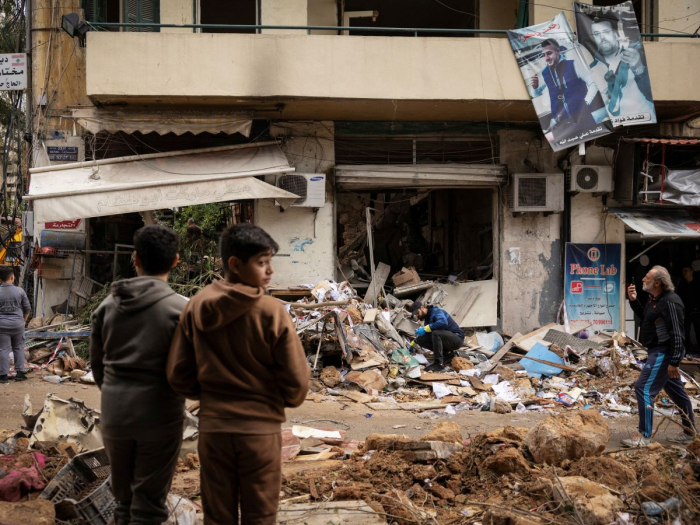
(236, 350)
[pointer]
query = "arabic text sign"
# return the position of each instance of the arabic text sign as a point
(592, 284)
(610, 35)
(566, 98)
(13, 72)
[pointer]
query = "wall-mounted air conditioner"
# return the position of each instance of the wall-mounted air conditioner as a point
(535, 192)
(311, 188)
(591, 179)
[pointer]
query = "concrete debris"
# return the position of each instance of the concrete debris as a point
(447, 431)
(495, 479)
(330, 376)
(593, 502)
(37, 512)
(568, 437)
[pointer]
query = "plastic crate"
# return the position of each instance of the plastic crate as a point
(82, 490)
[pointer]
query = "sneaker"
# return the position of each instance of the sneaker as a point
(682, 438)
(435, 367)
(635, 442)
(20, 376)
(3, 379)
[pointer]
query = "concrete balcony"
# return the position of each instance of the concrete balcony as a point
(345, 77)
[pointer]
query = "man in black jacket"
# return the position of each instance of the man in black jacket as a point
(142, 416)
(663, 335)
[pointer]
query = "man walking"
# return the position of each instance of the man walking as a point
(440, 333)
(662, 333)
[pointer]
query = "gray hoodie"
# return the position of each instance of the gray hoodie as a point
(131, 334)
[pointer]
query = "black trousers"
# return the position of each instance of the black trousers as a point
(142, 472)
(442, 342)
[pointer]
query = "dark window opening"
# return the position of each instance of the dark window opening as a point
(448, 14)
(380, 150)
(233, 12)
(102, 11)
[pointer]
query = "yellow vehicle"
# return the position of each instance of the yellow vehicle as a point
(10, 253)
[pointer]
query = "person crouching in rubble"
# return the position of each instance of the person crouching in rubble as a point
(142, 417)
(662, 333)
(440, 333)
(237, 351)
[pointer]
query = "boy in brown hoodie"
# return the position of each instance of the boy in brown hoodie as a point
(237, 351)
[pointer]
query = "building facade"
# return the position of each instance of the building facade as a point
(427, 128)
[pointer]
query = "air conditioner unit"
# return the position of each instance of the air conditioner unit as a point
(311, 188)
(591, 179)
(535, 192)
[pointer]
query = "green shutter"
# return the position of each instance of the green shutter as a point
(95, 10)
(142, 12)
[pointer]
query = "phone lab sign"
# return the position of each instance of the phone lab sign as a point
(592, 284)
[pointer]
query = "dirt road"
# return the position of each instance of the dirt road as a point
(354, 415)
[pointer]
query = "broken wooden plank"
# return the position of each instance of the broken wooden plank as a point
(323, 513)
(370, 315)
(502, 351)
(314, 306)
(378, 282)
(550, 363)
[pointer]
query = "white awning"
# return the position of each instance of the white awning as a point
(156, 181)
(406, 176)
(659, 223)
(174, 121)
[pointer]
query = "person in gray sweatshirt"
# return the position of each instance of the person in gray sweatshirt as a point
(14, 311)
(142, 417)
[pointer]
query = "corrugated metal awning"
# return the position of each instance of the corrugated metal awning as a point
(659, 223)
(156, 181)
(162, 122)
(668, 142)
(406, 176)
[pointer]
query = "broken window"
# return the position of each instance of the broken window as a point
(233, 12)
(446, 14)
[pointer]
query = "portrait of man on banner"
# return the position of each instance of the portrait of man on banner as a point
(618, 62)
(567, 100)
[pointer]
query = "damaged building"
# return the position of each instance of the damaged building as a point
(353, 141)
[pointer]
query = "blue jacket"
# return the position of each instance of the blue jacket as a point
(439, 319)
(567, 93)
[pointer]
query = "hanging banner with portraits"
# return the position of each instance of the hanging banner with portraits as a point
(610, 35)
(567, 100)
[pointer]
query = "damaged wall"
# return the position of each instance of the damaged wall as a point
(531, 266)
(305, 235)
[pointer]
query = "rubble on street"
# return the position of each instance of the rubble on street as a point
(361, 353)
(553, 473)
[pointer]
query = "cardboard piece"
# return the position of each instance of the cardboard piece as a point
(405, 277)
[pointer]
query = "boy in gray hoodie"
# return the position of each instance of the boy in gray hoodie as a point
(142, 417)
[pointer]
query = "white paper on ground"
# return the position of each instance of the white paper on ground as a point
(420, 358)
(470, 373)
(308, 432)
(504, 391)
(491, 378)
(441, 390)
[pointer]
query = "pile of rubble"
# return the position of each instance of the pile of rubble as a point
(363, 353)
(49, 348)
(55, 470)
(557, 472)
